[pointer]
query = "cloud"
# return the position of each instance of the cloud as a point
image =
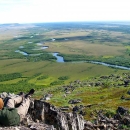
(14, 2)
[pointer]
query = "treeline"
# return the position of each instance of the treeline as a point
(91, 37)
(41, 57)
(109, 26)
(7, 77)
(119, 60)
(74, 57)
(32, 55)
(12, 55)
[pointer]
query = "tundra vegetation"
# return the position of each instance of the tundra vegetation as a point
(25, 63)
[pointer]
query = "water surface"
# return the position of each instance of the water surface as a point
(59, 58)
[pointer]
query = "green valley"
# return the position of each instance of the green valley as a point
(26, 61)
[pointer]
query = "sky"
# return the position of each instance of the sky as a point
(33, 11)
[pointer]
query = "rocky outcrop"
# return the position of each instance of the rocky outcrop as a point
(48, 114)
(51, 115)
(44, 116)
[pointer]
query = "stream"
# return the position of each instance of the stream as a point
(110, 65)
(59, 58)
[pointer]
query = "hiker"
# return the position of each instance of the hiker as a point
(10, 115)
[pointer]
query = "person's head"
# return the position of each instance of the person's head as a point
(1, 103)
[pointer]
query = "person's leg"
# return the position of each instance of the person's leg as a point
(23, 108)
(14, 101)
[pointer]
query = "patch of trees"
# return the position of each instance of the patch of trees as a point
(126, 43)
(41, 57)
(21, 86)
(108, 39)
(30, 51)
(89, 37)
(37, 55)
(128, 52)
(74, 57)
(11, 55)
(60, 82)
(22, 38)
(63, 78)
(42, 77)
(119, 60)
(7, 77)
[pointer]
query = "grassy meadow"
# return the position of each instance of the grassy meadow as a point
(77, 43)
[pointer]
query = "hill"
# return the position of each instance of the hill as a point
(99, 103)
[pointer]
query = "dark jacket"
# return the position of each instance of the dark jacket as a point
(9, 117)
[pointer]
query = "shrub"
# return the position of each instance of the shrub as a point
(7, 77)
(42, 77)
(57, 83)
(63, 78)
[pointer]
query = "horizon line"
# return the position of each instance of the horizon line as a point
(97, 21)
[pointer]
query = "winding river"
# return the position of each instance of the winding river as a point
(60, 59)
(110, 65)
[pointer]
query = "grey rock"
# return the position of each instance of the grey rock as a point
(51, 115)
(74, 101)
(122, 110)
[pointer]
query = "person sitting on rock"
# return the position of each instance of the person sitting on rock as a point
(10, 115)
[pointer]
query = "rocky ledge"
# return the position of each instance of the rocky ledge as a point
(44, 116)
